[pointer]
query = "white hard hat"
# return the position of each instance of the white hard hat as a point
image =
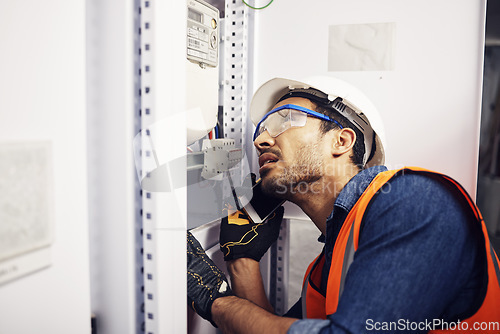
(270, 92)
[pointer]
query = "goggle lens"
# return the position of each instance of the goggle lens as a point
(280, 121)
(283, 118)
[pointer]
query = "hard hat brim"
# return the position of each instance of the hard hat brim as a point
(268, 95)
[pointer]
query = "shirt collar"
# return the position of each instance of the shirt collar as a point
(355, 188)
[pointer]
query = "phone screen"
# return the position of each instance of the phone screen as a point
(261, 205)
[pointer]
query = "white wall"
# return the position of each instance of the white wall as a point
(42, 97)
(430, 102)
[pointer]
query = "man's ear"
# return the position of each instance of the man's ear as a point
(343, 141)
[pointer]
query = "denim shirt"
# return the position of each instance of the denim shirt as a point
(420, 259)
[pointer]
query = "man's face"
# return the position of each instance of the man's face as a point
(292, 161)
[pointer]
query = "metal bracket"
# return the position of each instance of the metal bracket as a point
(279, 270)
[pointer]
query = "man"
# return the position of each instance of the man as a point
(404, 250)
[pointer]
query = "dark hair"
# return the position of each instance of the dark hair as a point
(358, 150)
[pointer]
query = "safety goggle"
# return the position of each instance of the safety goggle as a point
(286, 116)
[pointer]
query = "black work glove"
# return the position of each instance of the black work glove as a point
(240, 237)
(205, 281)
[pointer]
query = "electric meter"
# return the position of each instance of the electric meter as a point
(202, 33)
(202, 72)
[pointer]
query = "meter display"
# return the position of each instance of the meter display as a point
(202, 33)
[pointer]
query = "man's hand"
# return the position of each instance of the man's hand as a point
(240, 237)
(205, 281)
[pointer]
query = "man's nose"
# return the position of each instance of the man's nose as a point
(263, 141)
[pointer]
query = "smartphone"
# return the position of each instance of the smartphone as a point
(261, 206)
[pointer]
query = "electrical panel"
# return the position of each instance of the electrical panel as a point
(202, 73)
(184, 184)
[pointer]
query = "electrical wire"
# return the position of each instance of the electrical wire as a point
(257, 8)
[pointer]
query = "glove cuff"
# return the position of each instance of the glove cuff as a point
(205, 311)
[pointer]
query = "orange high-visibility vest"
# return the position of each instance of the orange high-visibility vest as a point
(315, 305)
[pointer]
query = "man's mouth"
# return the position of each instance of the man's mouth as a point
(267, 158)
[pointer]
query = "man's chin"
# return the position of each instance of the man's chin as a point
(271, 186)
(265, 182)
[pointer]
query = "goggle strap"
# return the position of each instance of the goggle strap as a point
(356, 120)
(312, 94)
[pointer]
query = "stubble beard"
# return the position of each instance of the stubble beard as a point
(298, 177)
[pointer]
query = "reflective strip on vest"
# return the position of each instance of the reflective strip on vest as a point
(305, 286)
(495, 263)
(303, 296)
(489, 310)
(348, 258)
